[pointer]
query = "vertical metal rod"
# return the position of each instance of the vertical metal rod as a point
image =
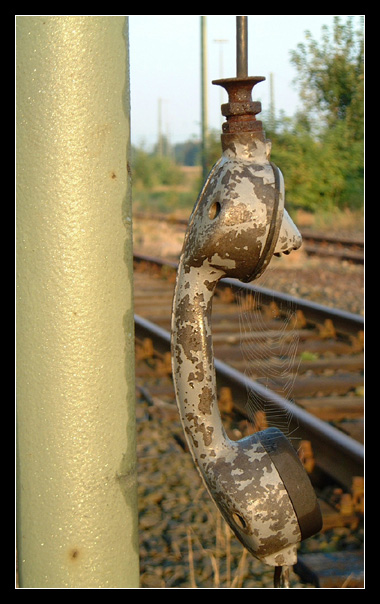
(241, 46)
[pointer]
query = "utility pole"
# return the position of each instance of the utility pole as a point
(76, 443)
(204, 120)
(160, 145)
(221, 75)
(272, 114)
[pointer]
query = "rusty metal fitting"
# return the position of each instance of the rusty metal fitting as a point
(240, 110)
(243, 124)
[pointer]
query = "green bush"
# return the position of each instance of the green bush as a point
(150, 171)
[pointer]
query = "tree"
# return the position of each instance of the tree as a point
(188, 153)
(331, 75)
(331, 81)
(151, 170)
(313, 175)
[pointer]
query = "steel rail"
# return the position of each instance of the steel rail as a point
(346, 322)
(307, 235)
(315, 236)
(336, 453)
(310, 249)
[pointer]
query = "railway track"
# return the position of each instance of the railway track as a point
(314, 243)
(279, 361)
(341, 248)
(305, 361)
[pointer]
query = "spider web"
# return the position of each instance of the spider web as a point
(269, 346)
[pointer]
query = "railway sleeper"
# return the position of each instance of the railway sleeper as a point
(339, 383)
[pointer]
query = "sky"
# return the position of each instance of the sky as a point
(165, 68)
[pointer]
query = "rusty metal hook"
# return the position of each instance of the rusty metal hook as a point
(281, 576)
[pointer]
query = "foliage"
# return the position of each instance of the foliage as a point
(188, 153)
(320, 150)
(315, 170)
(327, 167)
(331, 75)
(151, 170)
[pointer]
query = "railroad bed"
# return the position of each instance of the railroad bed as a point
(349, 248)
(271, 349)
(320, 367)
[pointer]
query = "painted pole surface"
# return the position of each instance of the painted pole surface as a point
(76, 462)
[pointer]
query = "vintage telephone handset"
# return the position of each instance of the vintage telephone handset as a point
(237, 224)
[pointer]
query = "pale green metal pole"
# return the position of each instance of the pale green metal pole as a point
(76, 472)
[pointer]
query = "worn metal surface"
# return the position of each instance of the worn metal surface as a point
(76, 459)
(236, 226)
